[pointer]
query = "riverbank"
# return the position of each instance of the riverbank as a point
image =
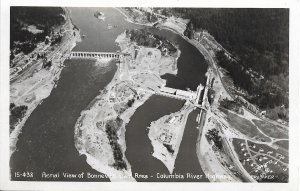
(174, 24)
(36, 82)
(208, 159)
(131, 20)
(201, 151)
(100, 130)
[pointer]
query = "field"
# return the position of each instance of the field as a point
(271, 130)
(284, 144)
(244, 126)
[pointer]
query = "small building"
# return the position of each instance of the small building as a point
(172, 120)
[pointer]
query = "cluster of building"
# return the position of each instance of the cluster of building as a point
(264, 160)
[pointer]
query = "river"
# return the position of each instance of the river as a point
(46, 143)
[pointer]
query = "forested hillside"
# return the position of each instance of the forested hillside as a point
(259, 41)
(30, 25)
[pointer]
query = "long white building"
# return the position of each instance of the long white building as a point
(187, 95)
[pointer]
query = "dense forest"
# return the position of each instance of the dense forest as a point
(145, 38)
(112, 127)
(42, 18)
(259, 40)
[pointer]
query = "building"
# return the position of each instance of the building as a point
(186, 94)
(172, 120)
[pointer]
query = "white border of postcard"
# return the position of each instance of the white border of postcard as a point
(294, 90)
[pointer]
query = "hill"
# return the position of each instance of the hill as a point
(30, 25)
(258, 39)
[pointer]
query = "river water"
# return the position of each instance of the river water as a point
(46, 143)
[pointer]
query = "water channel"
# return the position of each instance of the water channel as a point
(46, 143)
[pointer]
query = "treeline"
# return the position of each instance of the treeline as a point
(111, 130)
(149, 16)
(144, 38)
(213, 136)
(263, 93)
(232, 105)
(16, 114)
(43, 18)
(258, 39)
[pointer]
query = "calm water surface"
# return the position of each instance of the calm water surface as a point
(47, 140)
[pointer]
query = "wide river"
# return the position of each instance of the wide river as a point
(46, 144)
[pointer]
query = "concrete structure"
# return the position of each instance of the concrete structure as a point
(170, 95)
(168, 90)
(112, 55)
(187, 94)
(199, 90)
(178, 94)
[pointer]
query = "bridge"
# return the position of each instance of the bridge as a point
(112, 55)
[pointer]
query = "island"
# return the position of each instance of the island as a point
(99, 15)
(100, 130)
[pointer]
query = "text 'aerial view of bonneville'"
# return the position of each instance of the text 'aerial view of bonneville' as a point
(149, 94)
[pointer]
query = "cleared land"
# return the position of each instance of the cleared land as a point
(284, 144)
(166, 135)
(271, 130)
(100, 130)
(244, 126)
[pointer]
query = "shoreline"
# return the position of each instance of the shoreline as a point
(161, 26)
(46, 80)
(106, 117)
(128, 19)
(111, 172)
(177, 130)
(206, 156)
